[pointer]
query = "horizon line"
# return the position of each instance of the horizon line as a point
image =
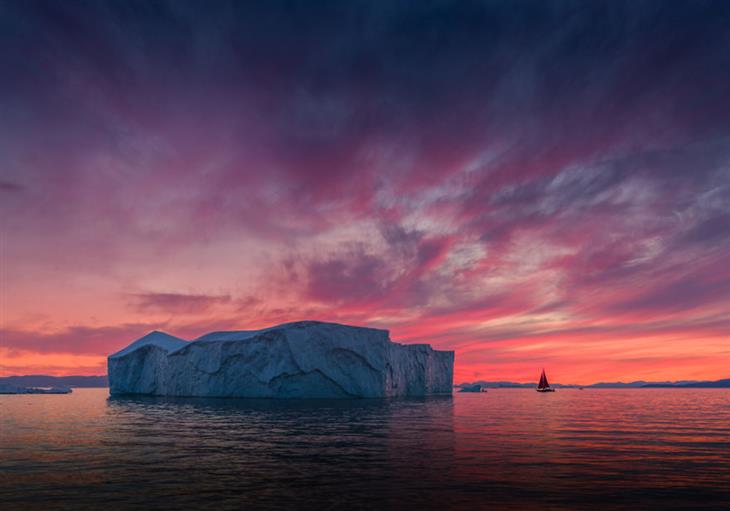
(455, 384)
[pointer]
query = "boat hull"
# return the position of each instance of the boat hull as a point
(545, 390)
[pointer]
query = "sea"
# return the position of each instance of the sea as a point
(592, 449)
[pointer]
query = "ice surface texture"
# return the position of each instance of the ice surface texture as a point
(306, 359)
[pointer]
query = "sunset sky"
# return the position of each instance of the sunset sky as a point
(530, 184)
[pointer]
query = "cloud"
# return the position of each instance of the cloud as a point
(706, 287)
(8, 186)
(447, 170)
(80, 339)
(714, 229)
(354, 277)
(177, 303)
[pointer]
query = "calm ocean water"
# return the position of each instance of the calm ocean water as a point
(506, 449)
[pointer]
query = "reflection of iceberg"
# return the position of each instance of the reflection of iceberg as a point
(284, 453)
(303, 359)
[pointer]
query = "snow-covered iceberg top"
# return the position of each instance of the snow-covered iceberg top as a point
(301, 359)
(160, 340)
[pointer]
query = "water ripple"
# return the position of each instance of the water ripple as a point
(507, 449)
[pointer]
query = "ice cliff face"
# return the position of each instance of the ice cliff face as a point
(307, 359)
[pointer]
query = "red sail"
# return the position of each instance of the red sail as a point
(543, 381)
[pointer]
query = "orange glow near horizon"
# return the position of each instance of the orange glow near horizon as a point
(613, 352)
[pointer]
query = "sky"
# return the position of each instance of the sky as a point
(529, 183)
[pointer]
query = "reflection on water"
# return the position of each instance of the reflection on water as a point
(507, 449)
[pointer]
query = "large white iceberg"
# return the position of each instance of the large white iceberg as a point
(306, 359)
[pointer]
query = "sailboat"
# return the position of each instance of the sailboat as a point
(544, 386)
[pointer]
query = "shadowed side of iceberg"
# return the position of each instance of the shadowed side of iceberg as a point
(306, 359)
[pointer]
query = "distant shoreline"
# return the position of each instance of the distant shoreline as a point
(101, 381)
(42, 380)
(716, 384)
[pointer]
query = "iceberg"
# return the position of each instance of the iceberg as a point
(6, 388)
(473, 388)
(305, 359)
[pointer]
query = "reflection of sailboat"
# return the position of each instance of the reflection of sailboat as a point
(544, 386)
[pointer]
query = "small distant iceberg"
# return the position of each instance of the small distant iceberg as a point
(305, 359)
(472, 388)
(6, 388)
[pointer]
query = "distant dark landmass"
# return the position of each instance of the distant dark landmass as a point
(41, 380)
(719, 384)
